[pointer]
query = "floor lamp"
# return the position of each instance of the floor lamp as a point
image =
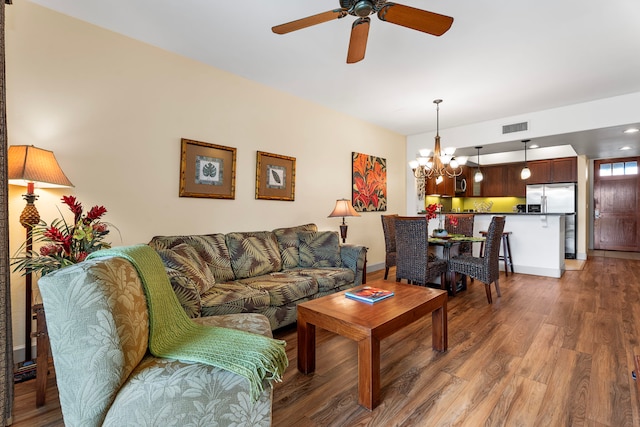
(29, 166)
(343, 208)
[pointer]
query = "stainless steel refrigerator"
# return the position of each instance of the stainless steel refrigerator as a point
(556, 198)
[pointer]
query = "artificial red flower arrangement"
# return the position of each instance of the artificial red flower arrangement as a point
(65, 244)
(433, 210)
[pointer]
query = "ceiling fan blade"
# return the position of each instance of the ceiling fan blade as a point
(417, 19)
(309, 21)
(358, 42)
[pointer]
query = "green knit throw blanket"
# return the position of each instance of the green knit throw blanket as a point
(172, 334)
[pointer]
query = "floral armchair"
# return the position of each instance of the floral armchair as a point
(98, 326)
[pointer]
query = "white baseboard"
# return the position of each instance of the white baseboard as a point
(18, 353)
(375, 267)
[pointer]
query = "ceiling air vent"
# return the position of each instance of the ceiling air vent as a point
(516, 127)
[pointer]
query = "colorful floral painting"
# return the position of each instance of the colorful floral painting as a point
(369, 181)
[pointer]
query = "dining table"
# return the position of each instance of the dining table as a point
(450, 245)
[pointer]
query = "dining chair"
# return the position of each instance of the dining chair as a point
(485, 269)
(389, 230)
(464, 227)
(412, 255)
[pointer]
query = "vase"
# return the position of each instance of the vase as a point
(440, 233)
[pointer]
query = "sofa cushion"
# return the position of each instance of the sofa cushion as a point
(253, 253)
(288, 242)
(212, 248)
(185, 259)
(319, 249)
(328, 278)
(233, 297)
(283, 287)
(186, 291)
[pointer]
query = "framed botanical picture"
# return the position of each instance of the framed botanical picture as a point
(369, 183)
(275, 177)
(207, 170)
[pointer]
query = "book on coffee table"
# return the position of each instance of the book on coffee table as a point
(368, 294)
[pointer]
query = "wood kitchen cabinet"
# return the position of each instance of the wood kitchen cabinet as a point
(514, 186)
(564, 170)
(493, 182)
(445, 188)
(540, 172)
(555, 170)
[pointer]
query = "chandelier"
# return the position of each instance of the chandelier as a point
(439, 165)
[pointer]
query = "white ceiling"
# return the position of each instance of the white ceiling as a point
(500, 58)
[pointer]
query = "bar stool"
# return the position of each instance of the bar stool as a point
(506, 251)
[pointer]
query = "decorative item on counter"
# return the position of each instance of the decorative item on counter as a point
(483, 206)
(65, 243)
(435, 210)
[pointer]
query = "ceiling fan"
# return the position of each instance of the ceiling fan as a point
(405, 16)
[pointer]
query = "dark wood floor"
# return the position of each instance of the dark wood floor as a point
(550, 352)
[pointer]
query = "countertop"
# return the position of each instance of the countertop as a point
(506, 213)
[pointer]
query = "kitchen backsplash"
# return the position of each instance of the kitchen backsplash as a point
(462, 204)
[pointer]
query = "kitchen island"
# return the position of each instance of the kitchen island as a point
(537, 241)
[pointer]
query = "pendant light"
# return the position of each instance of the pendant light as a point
(525, 173)
(478, 177)
(443, 163)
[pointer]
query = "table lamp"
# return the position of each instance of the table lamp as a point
(343, 208)
(29, 166)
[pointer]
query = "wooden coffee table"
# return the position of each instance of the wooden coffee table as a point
(368, 324)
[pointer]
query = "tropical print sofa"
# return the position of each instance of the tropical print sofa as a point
(266, 272)
(98, 325)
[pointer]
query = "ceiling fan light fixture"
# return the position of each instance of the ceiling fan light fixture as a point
(363, 8)
(398, 14)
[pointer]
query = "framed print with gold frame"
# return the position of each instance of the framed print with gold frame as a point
(207, 170)
(275, 177)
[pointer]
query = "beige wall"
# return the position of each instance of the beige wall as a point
(113, 110)
(583, 209)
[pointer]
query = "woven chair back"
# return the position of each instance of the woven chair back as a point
(465, 227)
(389, 230)
(492, 246)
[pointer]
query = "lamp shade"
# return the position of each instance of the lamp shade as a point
(29, 164)
(343, 208)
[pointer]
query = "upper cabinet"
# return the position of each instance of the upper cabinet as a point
(493, 181)
(564, 170)
(445, 188)
(540, 172)
(514, 185)
(452, 187)
(554, 170)
(503, 181)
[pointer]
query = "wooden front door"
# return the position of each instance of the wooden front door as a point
(616, 204)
